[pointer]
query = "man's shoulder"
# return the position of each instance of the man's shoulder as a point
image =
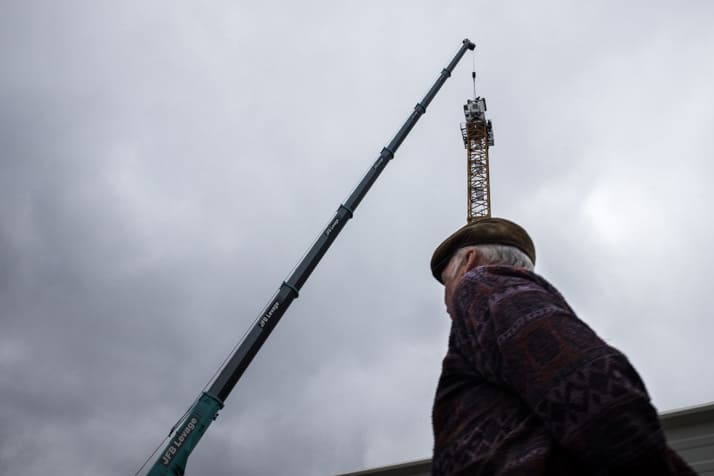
(504, 276)
(496, 283)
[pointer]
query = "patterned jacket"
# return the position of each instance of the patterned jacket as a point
(527, 388)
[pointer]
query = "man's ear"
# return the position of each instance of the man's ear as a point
(472, 259)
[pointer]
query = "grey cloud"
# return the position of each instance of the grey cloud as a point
(164, 166)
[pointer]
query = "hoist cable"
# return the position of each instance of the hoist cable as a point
(473, 71)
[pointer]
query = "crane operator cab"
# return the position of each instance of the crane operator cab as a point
(475, 109)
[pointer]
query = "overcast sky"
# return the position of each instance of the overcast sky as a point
(164, 165)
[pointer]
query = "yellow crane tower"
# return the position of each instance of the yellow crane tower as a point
(477, 132)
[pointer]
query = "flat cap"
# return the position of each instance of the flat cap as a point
(482, 231)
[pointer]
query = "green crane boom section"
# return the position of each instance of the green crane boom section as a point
(173, 458)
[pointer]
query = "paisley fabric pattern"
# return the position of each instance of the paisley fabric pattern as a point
(527, 388)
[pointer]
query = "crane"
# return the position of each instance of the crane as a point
(185, 435)
(477, 133)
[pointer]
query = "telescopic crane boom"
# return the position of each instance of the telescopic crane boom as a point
(172, 459)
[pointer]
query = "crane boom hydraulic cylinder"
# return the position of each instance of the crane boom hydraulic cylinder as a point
(172, 460)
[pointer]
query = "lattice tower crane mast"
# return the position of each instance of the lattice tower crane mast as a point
(477, 132)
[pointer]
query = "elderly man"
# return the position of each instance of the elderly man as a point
(526, 387)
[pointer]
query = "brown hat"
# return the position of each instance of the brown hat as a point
(482, 231)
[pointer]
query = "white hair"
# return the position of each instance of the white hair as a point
(490, 254)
